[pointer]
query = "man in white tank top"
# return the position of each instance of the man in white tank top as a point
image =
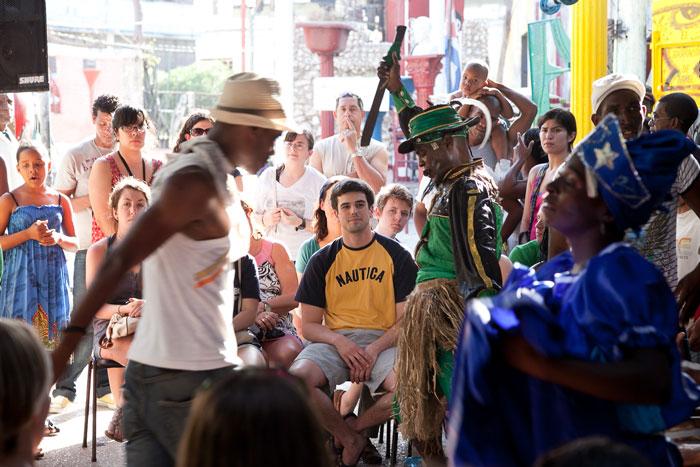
(187, 240)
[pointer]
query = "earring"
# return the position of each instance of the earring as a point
(434, 145)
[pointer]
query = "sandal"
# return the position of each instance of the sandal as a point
(50, 429)
(114, 429)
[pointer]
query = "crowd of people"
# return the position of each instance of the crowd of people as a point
(537, 307)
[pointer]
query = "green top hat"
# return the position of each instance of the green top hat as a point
(434, 122)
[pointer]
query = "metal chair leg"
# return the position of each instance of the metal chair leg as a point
(381, 433)
(388, 439)
(394, 443)
(87, 403)
(94, 415)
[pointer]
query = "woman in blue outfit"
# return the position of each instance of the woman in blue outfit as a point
(37, 224)
(585, 345)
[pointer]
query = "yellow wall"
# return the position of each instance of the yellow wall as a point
(589, 58)
(676, 47)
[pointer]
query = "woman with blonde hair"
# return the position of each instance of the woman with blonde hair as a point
(24, 390)
(129, 198)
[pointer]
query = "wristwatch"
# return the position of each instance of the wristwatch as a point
(267, 307)
(301, 226)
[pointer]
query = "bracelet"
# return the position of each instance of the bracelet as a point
(119, 309)
(74, 329)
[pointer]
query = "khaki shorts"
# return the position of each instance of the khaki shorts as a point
(334, 368)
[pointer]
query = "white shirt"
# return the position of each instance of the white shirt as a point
(188, 284)
(73, 175)
(8, 152)
(687, 242)
(300, 198)
(337, 160)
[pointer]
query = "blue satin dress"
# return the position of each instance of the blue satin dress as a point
(501, 416)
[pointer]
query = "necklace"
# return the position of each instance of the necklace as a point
(143, 166)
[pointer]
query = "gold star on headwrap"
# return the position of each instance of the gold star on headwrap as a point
(605, 156)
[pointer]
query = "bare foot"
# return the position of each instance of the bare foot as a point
(352, 450)
(351, 421)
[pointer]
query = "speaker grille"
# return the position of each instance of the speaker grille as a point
(23, 54)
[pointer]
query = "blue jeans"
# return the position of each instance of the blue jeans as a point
(157, 403)
(65, 386)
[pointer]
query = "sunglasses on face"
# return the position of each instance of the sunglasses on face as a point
(199, 131)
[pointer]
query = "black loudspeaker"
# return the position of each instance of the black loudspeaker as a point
(23, 54)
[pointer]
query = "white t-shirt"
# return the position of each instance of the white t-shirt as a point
(73, 174)
(300, 198)
(336, 159)
(422, 196)
(687, 242)
(657, 240)
(188, 284)
(8, 152)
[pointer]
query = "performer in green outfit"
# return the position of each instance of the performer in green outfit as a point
(457, 255)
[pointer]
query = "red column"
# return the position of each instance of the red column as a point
(418, 8)
(326, 39)
(395, 13)
(423, 69)
(91, 75)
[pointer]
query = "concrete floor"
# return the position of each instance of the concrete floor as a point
(65, 449)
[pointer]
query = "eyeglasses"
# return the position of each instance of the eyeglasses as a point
(135, 129)
(655, 118)
(298, 146)
(199, 131)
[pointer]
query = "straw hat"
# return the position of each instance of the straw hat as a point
(249, 99)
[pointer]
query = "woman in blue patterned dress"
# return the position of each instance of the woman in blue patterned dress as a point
(37, 223)
(585, 345)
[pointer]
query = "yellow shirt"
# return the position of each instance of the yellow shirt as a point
(359, 287)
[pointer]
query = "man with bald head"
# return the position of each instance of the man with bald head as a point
(622, 96)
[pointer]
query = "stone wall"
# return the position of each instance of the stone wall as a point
(475, 41)
(360, 58)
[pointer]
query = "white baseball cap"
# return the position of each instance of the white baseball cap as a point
(606, 85)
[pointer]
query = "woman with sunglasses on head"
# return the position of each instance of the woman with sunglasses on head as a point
(130, 125)
(197, 124)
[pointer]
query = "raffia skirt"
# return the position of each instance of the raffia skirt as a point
(427, 339)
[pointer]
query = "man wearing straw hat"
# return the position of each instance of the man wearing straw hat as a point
(457, 256)
(186, 240)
